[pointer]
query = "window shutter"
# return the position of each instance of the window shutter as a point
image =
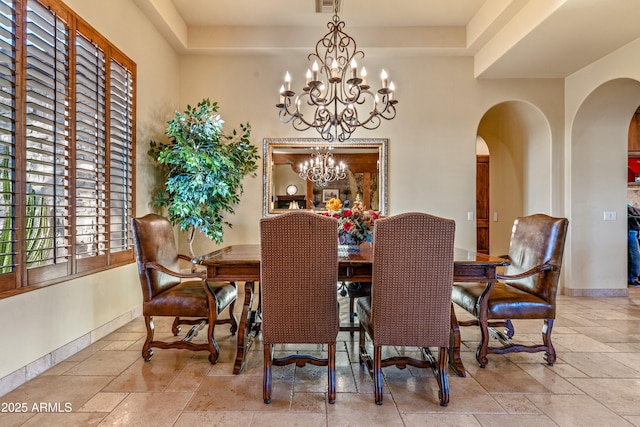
(47, 141)
(67, 138)
(8, 242)
(90, 149)
(121, 129)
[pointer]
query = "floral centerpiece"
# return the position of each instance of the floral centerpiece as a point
(355, 225)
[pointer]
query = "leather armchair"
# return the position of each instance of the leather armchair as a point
(527, 289)
(168, 292)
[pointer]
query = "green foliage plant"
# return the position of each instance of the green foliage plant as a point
(203, 170)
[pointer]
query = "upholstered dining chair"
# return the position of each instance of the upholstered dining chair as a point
(526, 290)
(298, 277)
(168, 292)
(410, 302)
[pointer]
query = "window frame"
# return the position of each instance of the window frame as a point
(23, 278)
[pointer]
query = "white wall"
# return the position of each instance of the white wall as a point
(60, 314)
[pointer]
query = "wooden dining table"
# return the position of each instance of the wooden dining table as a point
(241, 263)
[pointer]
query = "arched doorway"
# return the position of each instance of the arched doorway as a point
(596, 259)
(519, 139)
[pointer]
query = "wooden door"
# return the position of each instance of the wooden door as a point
(482, 204)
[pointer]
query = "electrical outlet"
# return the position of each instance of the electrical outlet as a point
(470, 216)
(495, 217)
(610, 216)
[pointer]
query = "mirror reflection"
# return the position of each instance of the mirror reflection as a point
(355, 170)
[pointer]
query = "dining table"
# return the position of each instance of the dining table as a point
(241, 263)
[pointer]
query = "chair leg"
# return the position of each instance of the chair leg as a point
(332, 372)
(147, 352)
(233, 318)
(377, 373)
(214, 350)
(361, 344)
(550, 355)
(510, 331)
(442, 377)
(483, 322)
(266, 376)
(175, 328)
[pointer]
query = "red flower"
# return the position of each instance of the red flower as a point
(336, 215)
(347, 213)
(347, 226)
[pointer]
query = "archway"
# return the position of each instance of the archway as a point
(519, 140)
(597, 183)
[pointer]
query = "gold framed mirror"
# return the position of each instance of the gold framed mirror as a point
(365, 177)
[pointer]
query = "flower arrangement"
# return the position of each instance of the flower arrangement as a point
(355, 225)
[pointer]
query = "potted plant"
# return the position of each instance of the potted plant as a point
(203, 170)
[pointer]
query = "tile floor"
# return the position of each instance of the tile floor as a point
(595, 382)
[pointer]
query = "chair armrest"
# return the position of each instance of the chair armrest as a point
(190, 260)
(199, 274)
(535, 270)
(186, 258)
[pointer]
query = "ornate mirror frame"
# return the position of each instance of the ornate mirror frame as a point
(290, 147)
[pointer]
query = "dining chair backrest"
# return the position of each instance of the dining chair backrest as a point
(298, 277)
(412, 280)
(537, 240)
(154, 242)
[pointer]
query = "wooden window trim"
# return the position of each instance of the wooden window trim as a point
(24, 279)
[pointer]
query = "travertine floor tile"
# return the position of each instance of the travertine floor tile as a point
(269, 419)
(577, 410)
(148, 409)
(214, 419)
(594, 382)
(515, 420)
(618, 394)
(352, 409)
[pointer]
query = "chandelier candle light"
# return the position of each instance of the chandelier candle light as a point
(335, 100)
(322, 169)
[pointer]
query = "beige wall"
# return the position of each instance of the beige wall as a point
(431, 160)
(76, 311)
(432, 141)
(600, 100)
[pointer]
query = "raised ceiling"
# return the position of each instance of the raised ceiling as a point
(506, 38)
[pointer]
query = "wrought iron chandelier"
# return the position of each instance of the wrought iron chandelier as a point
(335, 100)
(322, 169)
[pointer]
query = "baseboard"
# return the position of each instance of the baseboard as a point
(49, 360)
(572, 292)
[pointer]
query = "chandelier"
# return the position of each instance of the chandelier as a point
(335, 99)
(322, 169)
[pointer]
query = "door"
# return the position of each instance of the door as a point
(482, 204)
